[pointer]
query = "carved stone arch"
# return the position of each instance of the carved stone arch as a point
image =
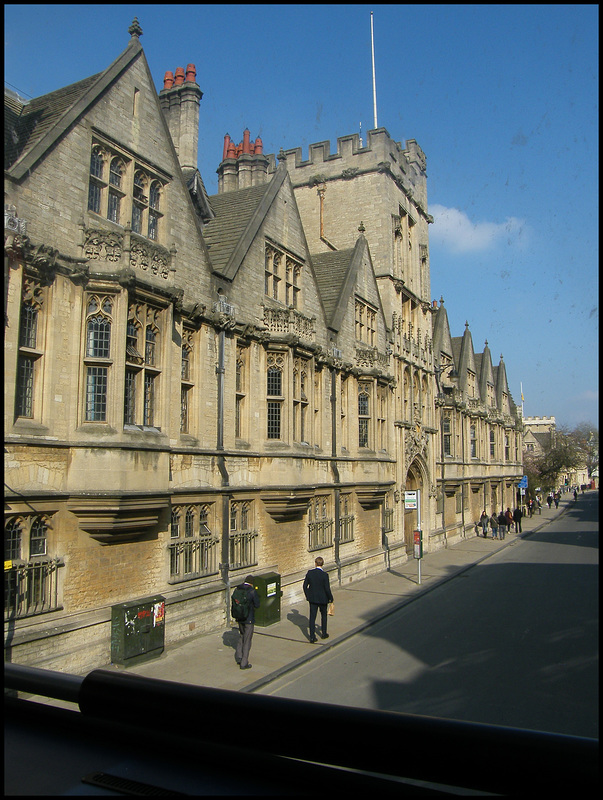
(417, 479)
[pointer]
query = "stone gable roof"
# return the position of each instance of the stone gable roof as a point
(41, 122)
(238, 216)
(233, 213)
(25, 124)
(331, 269)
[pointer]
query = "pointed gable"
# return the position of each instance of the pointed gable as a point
(443, 351)
(117, 114)
(46, 119)
(466, 364)
(504, 400)
(486, 377)
(26, 124)
(238, 217)
(349, 292)
(335, 276)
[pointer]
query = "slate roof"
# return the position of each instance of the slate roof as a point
(234, 212)
(26, 123)
(331, 269)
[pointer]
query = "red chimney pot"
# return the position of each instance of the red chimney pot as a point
(168, 80)
(246, 141)
(179, 80)
(226, 146)
(191, 73)
(259, 147)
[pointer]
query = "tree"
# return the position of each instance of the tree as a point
(586, 440)
(564, 452)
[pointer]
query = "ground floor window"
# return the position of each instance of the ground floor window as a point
(193, 548)
(320, 524)
(242, 536)
(31, 584)
(346, 518)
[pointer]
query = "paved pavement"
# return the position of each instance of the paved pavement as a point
(208, 660)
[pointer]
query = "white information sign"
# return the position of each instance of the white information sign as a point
(410, 499)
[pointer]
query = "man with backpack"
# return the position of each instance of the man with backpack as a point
(244, 602)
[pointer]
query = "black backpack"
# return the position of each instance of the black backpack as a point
(240, 604)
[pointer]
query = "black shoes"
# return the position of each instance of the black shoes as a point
(247, 667)
(324, 636)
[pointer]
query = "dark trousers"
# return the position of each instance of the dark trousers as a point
(244, 643)
(323, 619)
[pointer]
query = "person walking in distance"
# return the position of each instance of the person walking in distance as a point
(244, 602)
(317, 590)
(502, 525)
(517, 515)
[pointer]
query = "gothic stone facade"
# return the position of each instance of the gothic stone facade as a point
(199, 387)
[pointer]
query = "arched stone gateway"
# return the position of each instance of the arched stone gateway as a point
(416, 481)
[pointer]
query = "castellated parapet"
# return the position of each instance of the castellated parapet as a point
(379, 190)
(381, 154)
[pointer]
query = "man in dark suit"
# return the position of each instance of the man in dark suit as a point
(318, 593)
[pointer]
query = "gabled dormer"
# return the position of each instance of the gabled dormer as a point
(259, 257)
(467, 367)
(443, 353)
(503, 396)
(487, 386)
(128, 210)
(348, 288)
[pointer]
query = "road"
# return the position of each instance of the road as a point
(513, 641)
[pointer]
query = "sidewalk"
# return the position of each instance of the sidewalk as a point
(208, 660)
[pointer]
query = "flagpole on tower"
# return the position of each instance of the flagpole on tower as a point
(374, 85)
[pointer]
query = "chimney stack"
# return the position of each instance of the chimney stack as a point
(242, 165)
(180, 99)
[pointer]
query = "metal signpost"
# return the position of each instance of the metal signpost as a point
(412, 500)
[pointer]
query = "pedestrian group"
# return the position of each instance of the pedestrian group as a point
(245, 600)
(317, 589)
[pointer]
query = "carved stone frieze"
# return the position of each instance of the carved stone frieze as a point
(150, 258)
(416, 441)
(101, 245)
(110, 246)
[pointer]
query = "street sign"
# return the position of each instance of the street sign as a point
(523, 483)
(418, 544)
(410, 499)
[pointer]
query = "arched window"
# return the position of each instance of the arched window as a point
(189, 523)
(37, 537)
(12, 539)
(116, 172)
(150, 345)
(363, 415)
(175, 524)
(97, 162)
(99, 337)
(154, 195)
(28, 325)
(98, 345)
(274, 391)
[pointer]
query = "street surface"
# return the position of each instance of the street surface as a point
(513, 641)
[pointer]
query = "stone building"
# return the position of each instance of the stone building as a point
(199, 387)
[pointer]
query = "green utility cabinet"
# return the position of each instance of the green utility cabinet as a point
(268, 587)
(137, 630)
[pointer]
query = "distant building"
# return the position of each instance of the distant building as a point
(199, 387)
(539, 436)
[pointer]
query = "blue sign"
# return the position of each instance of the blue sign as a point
(523, 483)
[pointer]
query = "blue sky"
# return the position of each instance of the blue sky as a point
(503, 99)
